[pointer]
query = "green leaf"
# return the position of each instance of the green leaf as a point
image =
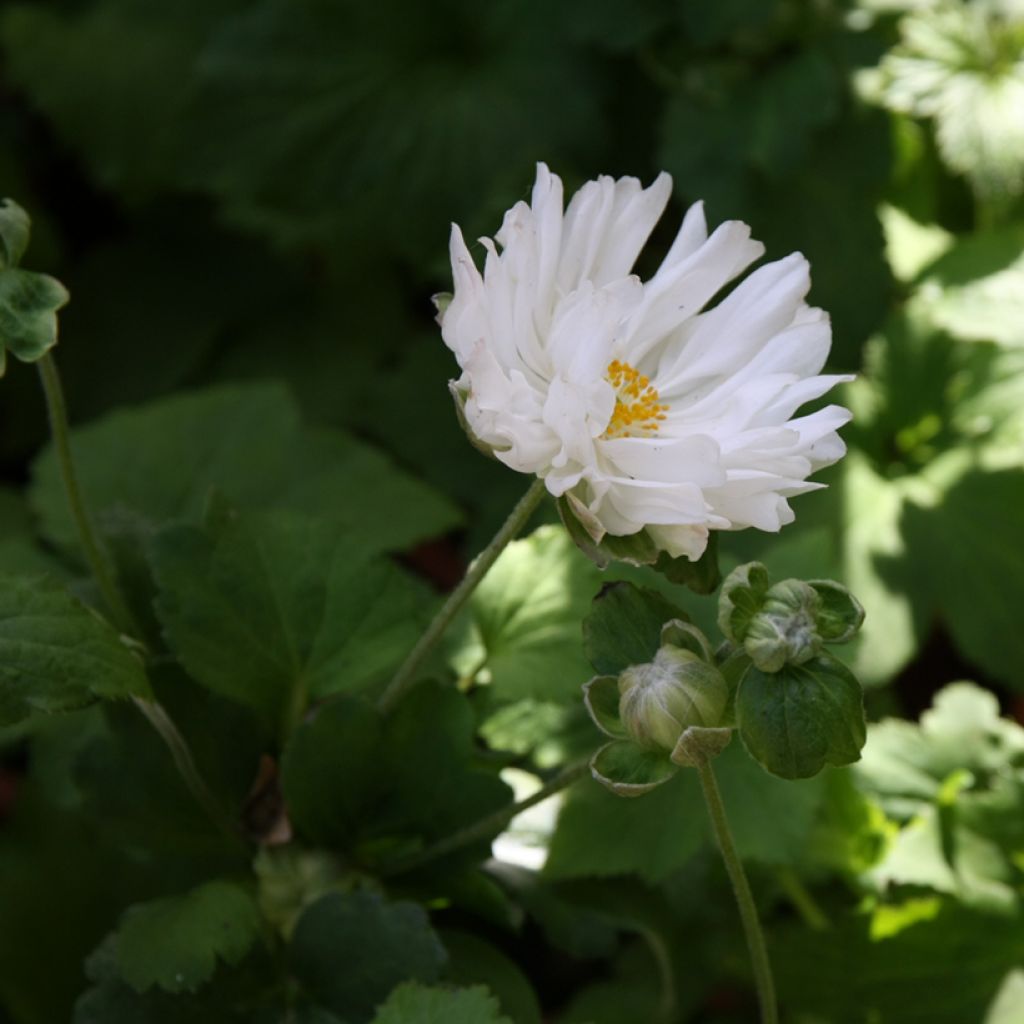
(162, 460)
(437, 779)
(348, 952)
(56, 654)
(120, 63)
(771, 818)
(628, 770)
(372, 93)
(623, 626)
(278, 610)
(974, 535)
(176, 943)
(472, 961)
(15, 229)
(523, 624)
(600, 834)
(906, 763)
(801, 718)
(415, 1004)
(945, 970)
(365, 785)
(1008, 1005)
(938, 850)
(28, 313)
(333, 772)
(973, 292)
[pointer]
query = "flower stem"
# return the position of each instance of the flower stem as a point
(492, 823)
(744, 898)
(101, 571)
(813, 916)
(185, 763)
(405, 677)
(105, 579)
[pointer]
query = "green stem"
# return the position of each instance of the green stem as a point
(744, 898)
(112, 596)
(185, 763)
(813, 916)
(667, 1006)
(405, 677)
(104, 576)
(493, 823)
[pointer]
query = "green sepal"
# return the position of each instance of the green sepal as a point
(15, 228)
(28, 314)
(628, 770)
(840, 615)
(699, 744)
(702, 576)
(601, 697)
(741, 598)
(603, 548)
(678, 633)
(797, 720)
(459, 399)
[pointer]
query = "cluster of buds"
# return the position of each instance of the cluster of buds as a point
(680, 708)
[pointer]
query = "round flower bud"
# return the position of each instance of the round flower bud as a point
(786, 627)
(661, 699)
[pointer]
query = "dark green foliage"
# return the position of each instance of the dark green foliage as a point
(349, 952)
(249, 205)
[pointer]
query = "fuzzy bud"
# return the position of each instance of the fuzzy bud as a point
(661, 699)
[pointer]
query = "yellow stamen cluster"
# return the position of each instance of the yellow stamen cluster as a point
(636, 403)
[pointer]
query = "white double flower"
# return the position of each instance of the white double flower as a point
(642, 405)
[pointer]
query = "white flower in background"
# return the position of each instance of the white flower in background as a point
(644, 406)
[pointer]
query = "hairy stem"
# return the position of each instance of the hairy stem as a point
(101, 571)
(405, 677)
(744, 898)
(185, 763)
(106, 580)
(493, 823)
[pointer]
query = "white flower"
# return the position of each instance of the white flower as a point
(645, 407)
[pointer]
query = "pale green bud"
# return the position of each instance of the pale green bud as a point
(786, 623)
(785, 629)
(661, 699)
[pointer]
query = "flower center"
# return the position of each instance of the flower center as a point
(636, 402)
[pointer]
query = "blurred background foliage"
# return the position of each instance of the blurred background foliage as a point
(243, 191)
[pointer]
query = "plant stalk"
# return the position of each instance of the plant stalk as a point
(185, 763)
(102, 573)
(493, 823)
(405, 677)
(744, 898)
(106, 580)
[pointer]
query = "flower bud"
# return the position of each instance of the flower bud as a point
(661, 699)
(785, 629)
(788, 622)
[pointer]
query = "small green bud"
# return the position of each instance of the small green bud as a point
(661, 699)
(785, 629)
(786, 623)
